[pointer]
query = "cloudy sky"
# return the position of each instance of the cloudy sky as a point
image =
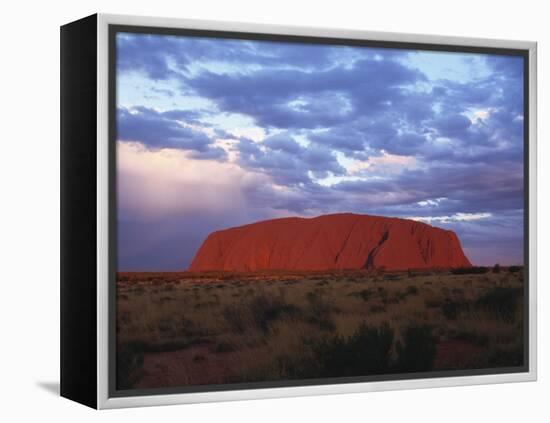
(214, 133)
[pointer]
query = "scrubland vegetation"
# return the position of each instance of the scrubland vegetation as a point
(182, 329)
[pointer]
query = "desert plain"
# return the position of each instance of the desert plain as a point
(208, 328)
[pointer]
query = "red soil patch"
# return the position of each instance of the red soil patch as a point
(453, 354)
(196, 365)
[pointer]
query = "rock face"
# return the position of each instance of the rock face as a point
(338, 241)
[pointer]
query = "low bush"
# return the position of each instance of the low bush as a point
(391, 277)
(501, 301)
(474, 270)
(266, 309)
(472, 336)
(235, 316)
(416, 351)
(223, 347)
(377, 309)
(259, 311)
(320, 311)
(364, 294)
(501, 357)
(451, 309)
(129, 364)
(433, 302)
(366, 352)
(411, 290)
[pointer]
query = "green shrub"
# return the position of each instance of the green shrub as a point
(416, 351)
(320, 311)
(501, 301)
(433, 302)
(223, 347)
(260, 311)
(411, 290)
(364, 294)
(366, 352)
(451, 309)
(129, 364)
(472, 336)
(474, 270)
(235, 316)
(391, 277)
(501, 357)
(266, 309)
(377, 309)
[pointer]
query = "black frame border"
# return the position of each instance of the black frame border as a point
(114, 29)
(78, 211)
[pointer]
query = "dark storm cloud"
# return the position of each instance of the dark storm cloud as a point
(455, 96)
(145, 54)
(469, 188)
(286, 161)
(161, 57)
(347, 139)
(507, 67)
(165, 130)
(452, 125)
(293, 98)
(282, 143)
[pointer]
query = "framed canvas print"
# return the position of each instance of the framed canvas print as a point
(253, 211)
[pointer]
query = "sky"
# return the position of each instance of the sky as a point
(214, 133)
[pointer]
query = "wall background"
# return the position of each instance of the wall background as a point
(29, 178)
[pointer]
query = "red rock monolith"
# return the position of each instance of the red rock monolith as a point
(337, 241)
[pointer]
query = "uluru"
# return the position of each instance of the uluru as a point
(336, 241)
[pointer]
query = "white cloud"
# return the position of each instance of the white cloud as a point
(255, 133)
(162, 182)
(386, 162)
(479, 114)
(457, 217)
(431, 202)
(156, 184)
